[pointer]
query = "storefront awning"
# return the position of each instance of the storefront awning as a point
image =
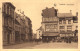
(67, 32)
(51, 34)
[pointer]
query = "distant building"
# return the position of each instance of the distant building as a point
(30, 29)
(27, 28)
(17, 27)
(49, 24)
(39, 33)
(34, 36)
(8, 22)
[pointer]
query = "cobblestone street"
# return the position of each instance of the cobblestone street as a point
(40, 45)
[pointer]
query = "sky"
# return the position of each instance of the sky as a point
(33, 8)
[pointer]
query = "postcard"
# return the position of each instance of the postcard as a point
(39, 25)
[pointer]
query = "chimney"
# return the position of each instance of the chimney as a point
(70, 11)
(76, 13)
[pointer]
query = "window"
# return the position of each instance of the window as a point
(60, 21)
(4, 8)
(69, 21)
(7, 9)
(51, 28)
(75, 19)
(76, 26)
(69, 28)
(55, 12)
(39, 31)
(61, 27)
(5, 21)
(64, 21)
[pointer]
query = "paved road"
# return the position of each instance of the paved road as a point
(44, 46)
(56, 46)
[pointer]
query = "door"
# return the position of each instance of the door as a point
(8, 38)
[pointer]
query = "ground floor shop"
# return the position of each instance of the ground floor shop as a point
(69, 37)
(48, 36)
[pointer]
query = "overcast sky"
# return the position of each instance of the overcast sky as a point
(33, 8)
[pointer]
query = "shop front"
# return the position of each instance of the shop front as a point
(67, 36)
(49, 36)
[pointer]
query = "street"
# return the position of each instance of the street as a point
(40, 45)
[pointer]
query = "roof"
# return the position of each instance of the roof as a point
(9, 4)
(64, 15)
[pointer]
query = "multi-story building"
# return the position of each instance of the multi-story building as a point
(23, 30)
(34, 36)
(17, 27)
(39, 33)
(27, 28)
(8, 22)
(68, 24)
(23, 25)
(49, 24)
(30, 29)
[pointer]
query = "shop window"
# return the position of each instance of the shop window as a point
(60, 21)
(69, 21)
(64, 21)
(69, 28)
(61, 27)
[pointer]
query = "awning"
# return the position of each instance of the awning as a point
(51, 34)
(67, 32)
(66, 35)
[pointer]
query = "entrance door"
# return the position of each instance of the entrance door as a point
(8, 38)
(17, 37)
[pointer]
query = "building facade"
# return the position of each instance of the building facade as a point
(8, 22)
(30, 29)
(27, 28)
(39, 33)
(16, 26)
(59, 25)
(68, 24)
(49, 24)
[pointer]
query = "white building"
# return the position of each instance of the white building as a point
(68, 25)
(39, 33)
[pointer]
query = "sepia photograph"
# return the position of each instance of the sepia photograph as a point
(39, 24)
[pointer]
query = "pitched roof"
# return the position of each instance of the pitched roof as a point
(64, 15)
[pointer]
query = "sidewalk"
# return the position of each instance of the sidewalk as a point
(20, 45)
(41, 45)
